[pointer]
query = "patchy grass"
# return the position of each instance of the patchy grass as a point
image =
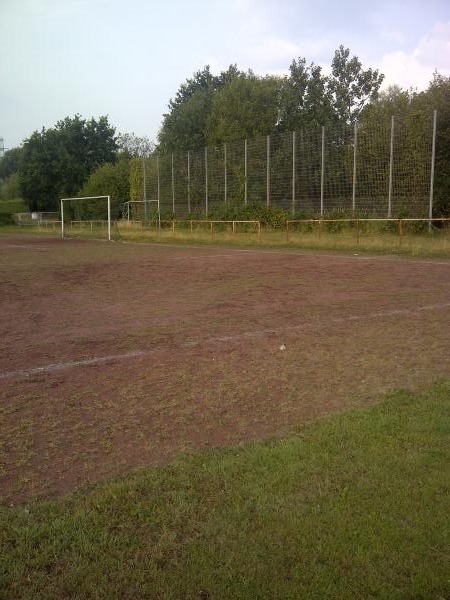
(13, 206)
(434, 245)
(353, 506)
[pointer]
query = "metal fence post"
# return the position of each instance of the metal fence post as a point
(268, 172)
(433, 157)
(322, 172)
(245, 172)
(355, 143)
(293, 172)
(225, 171)
(173, 190)
(159, 192)
(109, 218)
(206, 181)
(144, 185)
(189, 182)
(391, 166)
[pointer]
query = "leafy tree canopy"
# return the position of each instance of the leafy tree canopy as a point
(184, 126)
(134, 146)
(109, 179)
(212, 109)
(305, 97)
(10, 162)
(350, 86)
(57, 161)
(437, 97)
(246, 107)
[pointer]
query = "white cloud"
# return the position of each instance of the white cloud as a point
(393, 35)
(415, 68)
(273, 50)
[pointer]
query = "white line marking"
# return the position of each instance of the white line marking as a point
(296, 252)
(74, 363)
(203, 257)
(35, 247)
(218, 339)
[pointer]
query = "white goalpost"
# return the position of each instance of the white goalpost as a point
(128, 206)
(108, 200)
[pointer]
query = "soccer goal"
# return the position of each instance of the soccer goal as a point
(86, 216)
(142, 210)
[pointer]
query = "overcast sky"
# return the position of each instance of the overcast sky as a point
(127, 58)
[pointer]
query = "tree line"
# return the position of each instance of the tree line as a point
(88, 157)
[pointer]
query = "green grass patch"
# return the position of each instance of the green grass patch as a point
(8, 208)
(13, 206)
(354, 506)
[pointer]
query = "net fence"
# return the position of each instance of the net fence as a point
(379, 168)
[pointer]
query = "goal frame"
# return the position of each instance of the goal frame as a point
(108, 199)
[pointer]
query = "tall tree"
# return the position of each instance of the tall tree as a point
(304, 97)
(437, 97)
(246, 107)
(109, 179)
(184, 126)
(351, 87)
(134, 146)
(57, 161)
(10, 162)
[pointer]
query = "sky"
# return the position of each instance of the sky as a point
(126, 59)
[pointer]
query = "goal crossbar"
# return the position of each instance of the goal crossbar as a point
(107, 198)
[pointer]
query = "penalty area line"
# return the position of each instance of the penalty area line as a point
(73, 363)
(55, 367)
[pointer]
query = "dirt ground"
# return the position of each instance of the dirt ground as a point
(115, 356)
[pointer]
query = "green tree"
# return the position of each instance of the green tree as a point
(184, 126)
(304, 97)
(9, 187)
(246, 107)
(10, 162)
(134, 146)
(351, 88)
(437, 97)
(57, 161)
(107, 180)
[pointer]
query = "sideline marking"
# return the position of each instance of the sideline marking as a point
(223, 338)
(297, 252)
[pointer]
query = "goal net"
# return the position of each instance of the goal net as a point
(144, 211)
(88, 216)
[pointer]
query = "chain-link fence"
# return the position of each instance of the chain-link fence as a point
(381, 168)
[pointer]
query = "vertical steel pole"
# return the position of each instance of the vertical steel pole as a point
(322, 172)
(293, 172)
(62, 219)
(268, 171)
(355, 142)
(225, 171)
(159, 192)
(391, 167)
(144, 185)
(245, 172)
(189, 181)
(433, 157)
(173, 190)
(206, 181)
(109, 218)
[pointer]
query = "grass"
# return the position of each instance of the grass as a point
(13, 206)
(353, 506)
(7, 208)
(413, 244)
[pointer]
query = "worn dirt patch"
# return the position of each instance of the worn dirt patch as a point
(209, 323)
